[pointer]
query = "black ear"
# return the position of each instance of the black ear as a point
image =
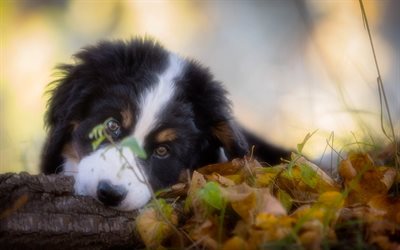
(52, 159)
(231, 139)
(62, 113)
(213, 113)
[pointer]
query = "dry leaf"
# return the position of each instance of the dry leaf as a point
(205, 234)
(235, 243)
(230, 206)
(368, 181)
(305, 181)
(153, 228)
(226, 168)
(388, 207)
(192, 200)
(266, 203)
(242, 199)
(268, 228)
(311, 234)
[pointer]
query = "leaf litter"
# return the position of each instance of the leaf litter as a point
(295, 205)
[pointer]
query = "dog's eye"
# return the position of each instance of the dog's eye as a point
(113, 127)
(161, 152)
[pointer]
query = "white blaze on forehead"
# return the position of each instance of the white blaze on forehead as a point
(154, 100)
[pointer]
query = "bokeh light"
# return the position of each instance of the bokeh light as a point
(291, 67)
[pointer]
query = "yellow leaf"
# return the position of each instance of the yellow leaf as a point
(235, 243)
(311, 235)
(266, 176)
(304, 181)
(152, 227)
(360, 161)
(331, 199)
(271, 228)
(243, 200)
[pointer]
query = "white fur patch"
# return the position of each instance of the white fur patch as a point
(155, 99)
(70, 167)
(120, 168)
(222, 156)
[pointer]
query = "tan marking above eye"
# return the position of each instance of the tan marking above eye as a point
(127, 118)
(165, 135)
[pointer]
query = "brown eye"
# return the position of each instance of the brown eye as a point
(161, 152)
(113, 127)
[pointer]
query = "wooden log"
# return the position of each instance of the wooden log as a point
(42, 212)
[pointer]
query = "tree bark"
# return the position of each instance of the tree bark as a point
(42, 212)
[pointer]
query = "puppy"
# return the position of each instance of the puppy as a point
(178, 114)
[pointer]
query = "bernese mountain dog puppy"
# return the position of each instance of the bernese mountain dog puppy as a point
(178, 114)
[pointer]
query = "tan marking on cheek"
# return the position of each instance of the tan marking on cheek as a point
(127, 118)
(166, 135)
(71, 152)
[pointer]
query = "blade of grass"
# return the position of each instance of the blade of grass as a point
(382, 94)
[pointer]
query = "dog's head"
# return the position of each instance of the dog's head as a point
(178, 114)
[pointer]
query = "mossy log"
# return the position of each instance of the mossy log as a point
(42, 212)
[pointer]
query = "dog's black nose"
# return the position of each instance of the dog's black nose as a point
(109, 194)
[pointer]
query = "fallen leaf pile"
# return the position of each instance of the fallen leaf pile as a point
(296, 205)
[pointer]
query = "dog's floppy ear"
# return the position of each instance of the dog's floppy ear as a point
(230, 137)
(213, 113)
(62, 110)
(51, 158)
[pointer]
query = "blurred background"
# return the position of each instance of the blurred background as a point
(291, 66)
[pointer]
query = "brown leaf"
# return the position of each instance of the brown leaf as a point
(388, 207)
(224, 181)
(205, 234)
(364, 180)
(346, 170)
(226, 168)
(361, 161)
(192, 200)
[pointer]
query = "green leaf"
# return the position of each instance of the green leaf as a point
(164, 207)
(97, 136)
(285, 199)
(133, 145)
(211, 194)
(96, 143)
(301, 145)
(308, 175)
